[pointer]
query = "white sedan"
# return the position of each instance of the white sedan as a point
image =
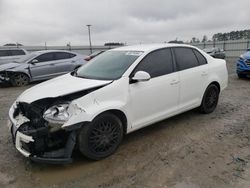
(120, 91)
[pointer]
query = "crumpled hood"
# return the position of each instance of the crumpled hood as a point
(60, 86)
(8, 66)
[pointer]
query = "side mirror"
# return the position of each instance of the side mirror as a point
(141, 76)
(34, 61)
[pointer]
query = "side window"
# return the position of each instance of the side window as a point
(17, 52)
(4, 53)
(185, 58)
(63, 55)
(201, 59)
(72, 55)
(46, 57)
(156, 63)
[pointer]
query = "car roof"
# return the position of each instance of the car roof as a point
(150, 47)
(46, 51)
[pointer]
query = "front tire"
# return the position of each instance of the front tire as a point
(19, 79)
(210, 99)
(100, 138)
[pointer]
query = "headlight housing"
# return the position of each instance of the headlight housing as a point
(57, 114)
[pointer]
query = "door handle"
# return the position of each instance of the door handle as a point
(174, 82)
(52, 64)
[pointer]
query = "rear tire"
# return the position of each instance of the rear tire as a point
(210, 99)
(20, 79)
(100, 138)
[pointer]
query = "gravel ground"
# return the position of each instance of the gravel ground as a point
(190, 150)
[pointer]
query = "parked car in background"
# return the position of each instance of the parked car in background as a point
(40, 65)
(123, 90)
(93, 55)
(12, 54)
(215, 52)
(243, 65)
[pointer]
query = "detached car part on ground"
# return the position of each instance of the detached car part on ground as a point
(41, 65)
(215, 52)
(118, 92)
(243, 65)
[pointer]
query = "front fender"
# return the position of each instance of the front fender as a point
(26, 71)
(80, 114)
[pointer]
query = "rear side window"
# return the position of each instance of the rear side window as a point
(185, 58)
(4, 53)
(201, 59)
(156, 63)
(45, 57)
(63, 55)
(17, 52)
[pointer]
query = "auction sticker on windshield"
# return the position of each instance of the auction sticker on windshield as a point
(134, 53)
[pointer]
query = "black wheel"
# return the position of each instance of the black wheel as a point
(241, 75)
(210, 99)
(101, 137)
(20, 79)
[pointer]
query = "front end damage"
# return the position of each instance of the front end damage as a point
(45, 119)
(38, 138)
(5, 77)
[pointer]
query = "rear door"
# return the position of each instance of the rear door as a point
(64, 63)
(156, 99)
(193, 76)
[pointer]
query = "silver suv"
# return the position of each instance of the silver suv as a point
(10, 55)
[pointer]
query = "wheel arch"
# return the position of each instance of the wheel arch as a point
(18, 72)
(215, 83)
(121, 115)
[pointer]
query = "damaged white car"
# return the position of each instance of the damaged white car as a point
(120, 91)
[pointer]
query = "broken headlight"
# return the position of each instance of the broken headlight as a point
(57, 114)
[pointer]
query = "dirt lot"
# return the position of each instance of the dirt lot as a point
(188, 151)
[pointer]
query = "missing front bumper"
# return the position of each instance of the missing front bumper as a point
(31, 144)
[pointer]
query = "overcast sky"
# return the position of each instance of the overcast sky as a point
(32, 22)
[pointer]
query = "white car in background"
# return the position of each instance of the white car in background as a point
(120, 91)
(10, 55)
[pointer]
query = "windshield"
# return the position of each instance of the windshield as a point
(26, 58)
(109, 65)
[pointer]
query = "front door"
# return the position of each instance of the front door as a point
(156, 99)
(44, 68)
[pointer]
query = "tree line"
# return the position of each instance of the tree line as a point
(233, 35)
